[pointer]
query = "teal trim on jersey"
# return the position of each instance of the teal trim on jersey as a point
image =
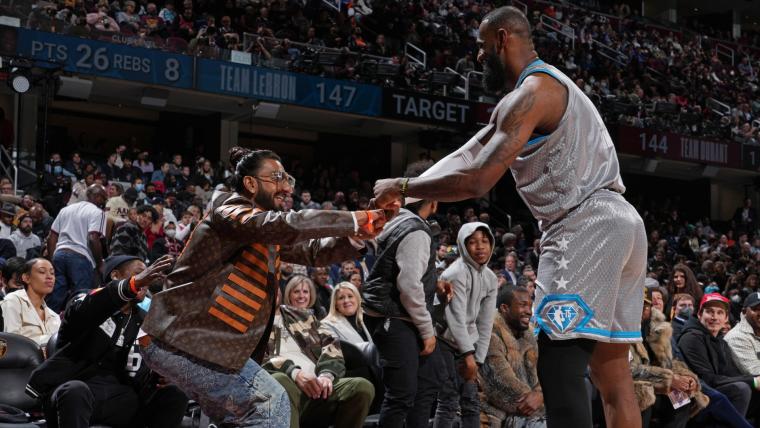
(538, 70)
(536, 140)
(525, 72)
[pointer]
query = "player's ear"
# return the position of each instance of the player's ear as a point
(501, 39)
(250, 184)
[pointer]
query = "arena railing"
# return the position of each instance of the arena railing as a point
(548, 23)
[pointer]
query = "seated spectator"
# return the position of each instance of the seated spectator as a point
(167, 244)
(306, 202)
(24, 240)
(709, 355)
(129, 238)
(79, 189)
(117, 207)
(510, 268)
(657, 298)
(24, 311)
(322, 282)
(356, 280)
(682, 280)
(7, 213)
(343, 272)
(658, 375)
(168, 13)
(161, 173)
(101, 21)
(511, 395)
(11, 273)
(307, 361)
(682, 309)
(345, 316)
(151, 21)
(300, 292)
(128, 19)
(41, 221)
(130, 174)
(91, 379)
(744, 338)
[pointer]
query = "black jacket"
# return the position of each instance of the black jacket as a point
(95, 338)
(709, 357)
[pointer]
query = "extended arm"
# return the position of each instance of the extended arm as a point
(513, 122)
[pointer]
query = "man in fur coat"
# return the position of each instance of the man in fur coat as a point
(511, 392)
(656, 373)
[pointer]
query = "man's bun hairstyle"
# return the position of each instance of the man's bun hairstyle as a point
(247, 162)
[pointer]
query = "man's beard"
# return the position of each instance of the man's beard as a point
(26, 230)
(494, 74)
(266, 200)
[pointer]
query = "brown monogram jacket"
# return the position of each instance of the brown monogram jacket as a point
(218, 301)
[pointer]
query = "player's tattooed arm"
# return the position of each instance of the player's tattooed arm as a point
(513, 123)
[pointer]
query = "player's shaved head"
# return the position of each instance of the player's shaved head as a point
(510, 19)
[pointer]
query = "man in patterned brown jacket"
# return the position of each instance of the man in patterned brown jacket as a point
(512, 396)
(208, 330)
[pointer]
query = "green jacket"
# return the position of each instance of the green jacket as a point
(316, 343)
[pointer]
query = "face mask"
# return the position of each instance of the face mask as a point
(57, 170)
(685, 312)
(171, 233)
(139, 187)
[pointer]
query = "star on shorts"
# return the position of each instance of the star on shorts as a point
(562, 263)
(563, 243)
(561, 283)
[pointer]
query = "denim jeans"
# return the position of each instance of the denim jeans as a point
(73, 273)
(456, 394)
(247, 398)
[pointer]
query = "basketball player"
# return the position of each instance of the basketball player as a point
(593, 248)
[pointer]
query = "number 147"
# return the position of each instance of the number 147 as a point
(337, 96)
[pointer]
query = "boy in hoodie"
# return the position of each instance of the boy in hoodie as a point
(469, 319)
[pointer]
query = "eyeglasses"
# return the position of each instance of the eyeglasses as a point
(277, 177)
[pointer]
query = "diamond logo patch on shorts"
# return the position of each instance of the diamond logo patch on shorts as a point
(563, 313)
(562, 316)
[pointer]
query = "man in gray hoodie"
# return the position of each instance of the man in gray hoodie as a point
(469, 321)
(397, 301)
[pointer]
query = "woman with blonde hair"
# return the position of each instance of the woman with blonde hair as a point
(345, 316)
(301, 293)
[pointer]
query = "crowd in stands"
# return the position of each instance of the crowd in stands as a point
(58, 239)
(638, 73)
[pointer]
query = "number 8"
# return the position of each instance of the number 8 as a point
(172, 70)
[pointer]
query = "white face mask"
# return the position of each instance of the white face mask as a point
(170, 233)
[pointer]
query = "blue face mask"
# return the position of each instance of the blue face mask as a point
(57, 170)
(139, 187)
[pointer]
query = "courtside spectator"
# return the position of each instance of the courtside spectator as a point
(75, 248)
(345, 318)
(657, 375)
(24, 311)
(130, 239)
(469, 321)
(710, 357)
(512, 396)
(24, 240)
(744, 338)
(682, 309)
(307, 361)
(90, 380)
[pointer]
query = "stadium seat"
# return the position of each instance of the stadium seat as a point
(19, 356)
(363, 359)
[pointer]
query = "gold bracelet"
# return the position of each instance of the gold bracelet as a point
(404, 187)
